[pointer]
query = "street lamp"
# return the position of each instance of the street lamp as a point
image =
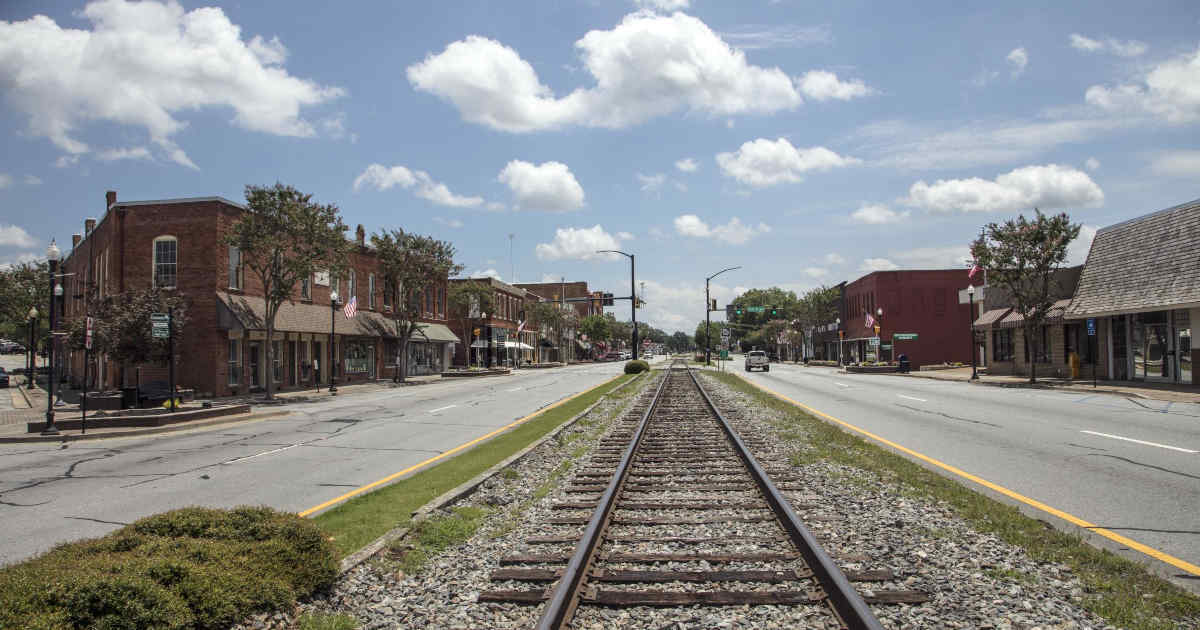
(56, 367)
(632, 294)
(333, 304)
(971, 299)
(52, 254)
(32, 362)
(878, 320)
(838, 323)
(707, 317)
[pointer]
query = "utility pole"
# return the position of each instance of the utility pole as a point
(708, 316)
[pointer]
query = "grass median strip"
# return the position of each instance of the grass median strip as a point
(360, 520)
(1120, 590)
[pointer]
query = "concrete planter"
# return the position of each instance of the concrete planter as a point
(872, 369)
(474, 373)
(144, 419)
(930, 368)
(824, 363)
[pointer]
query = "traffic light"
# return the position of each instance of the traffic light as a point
(773, 312)
(729, 312)
(608, 299)
(739, 310)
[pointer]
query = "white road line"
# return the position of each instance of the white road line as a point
(912, 398)
(1118, 437)
(840, 384)
(242, 459)
(515, 389)
(442, 408)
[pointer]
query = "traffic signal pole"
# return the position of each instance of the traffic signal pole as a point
(708, 316)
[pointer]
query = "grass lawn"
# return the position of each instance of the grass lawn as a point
(1117, 589)
(355, 523)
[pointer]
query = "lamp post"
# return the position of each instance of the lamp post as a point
(333, 304)
(632, 294)
(52, 256)
(971, 299)
(707, 315)
(31, 362)
(838, 323)
(56, 366)
(878, 321)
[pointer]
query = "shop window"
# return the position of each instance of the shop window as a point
(1002, 345)
(1076, 339)
(277, 361)
(166, 257)
(357, 358)
(1041, 354)
(306, 287)
(235, 361)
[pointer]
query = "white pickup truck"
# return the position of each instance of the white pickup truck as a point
(757, 359)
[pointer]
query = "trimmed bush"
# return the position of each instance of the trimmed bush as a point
(190, 568)
(636, 366)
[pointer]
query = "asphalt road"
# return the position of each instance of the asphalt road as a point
(50, 494)
(1128, 465)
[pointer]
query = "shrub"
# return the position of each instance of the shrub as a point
(636, 366)
(189, 568)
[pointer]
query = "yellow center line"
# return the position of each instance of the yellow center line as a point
(1070, 518)
(375, 484)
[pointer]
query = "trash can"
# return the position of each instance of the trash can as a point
(129, 398)
(905, 366)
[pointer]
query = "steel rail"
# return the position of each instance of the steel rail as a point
(566, 595)
(847, 604)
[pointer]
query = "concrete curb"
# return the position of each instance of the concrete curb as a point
(1080, 389)
(148, 431)
(466, 489)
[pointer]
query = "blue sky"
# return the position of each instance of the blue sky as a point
(806, 143)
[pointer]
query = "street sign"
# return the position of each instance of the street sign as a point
(724, 355)
(873, 341)
(886, 346)
(1091, 326)
(755, 309)
(87, 340)
(724, 333)
(159, 326)
(905, 337)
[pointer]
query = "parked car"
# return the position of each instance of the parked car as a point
(757, 359)
(11, 347)
(613, 356)
(3, 378)
(625, 355)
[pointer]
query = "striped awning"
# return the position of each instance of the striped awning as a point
(990, 318)
(1015, 319)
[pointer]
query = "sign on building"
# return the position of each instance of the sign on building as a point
(905, 337)
(159, 325)
(321, 278)
(1091, 323)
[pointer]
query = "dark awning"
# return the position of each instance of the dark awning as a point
(546, 343)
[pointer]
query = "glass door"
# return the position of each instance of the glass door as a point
(1185, 355)
(255, 379)
(1158, 353)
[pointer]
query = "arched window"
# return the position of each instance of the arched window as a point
(166, 259)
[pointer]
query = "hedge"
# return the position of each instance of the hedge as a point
(636, 366)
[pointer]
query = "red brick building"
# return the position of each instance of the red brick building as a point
(921, 302)
(178, 244)
(497, 341)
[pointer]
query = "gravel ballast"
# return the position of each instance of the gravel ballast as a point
(974, 580)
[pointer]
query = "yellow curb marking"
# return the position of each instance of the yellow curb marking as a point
(460, 447)
(1070, 518)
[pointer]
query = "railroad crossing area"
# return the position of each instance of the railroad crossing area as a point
(688, 501)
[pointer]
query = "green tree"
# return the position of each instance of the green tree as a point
(466, 301)
(283, 237)
(414, 264)
(550, 319)
(680, 342)
(596, 327)
(121, 326)
(702, 340)
(23, 286)
(1021, 256)
(619, 331)
(784, 302)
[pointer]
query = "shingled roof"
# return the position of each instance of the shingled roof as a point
(1144, 264)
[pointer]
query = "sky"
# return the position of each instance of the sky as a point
(808, 143)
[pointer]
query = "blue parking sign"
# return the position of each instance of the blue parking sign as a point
(1091, 326)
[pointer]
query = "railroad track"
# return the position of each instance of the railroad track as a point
(675, 486)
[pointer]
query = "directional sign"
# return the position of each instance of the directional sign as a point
(755, 309)
(1091, 326)
(724, 333)
(159, 326)
(905, 336)
(724, 355)
(87, 340)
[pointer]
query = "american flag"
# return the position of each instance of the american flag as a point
(870, 320)
(351, 307)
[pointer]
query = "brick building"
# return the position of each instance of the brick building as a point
(178, 244)
(1001, 334)
(920, 302)
(497, 341)
(588, 303)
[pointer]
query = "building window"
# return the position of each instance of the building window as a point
(1002, 345)
(277, 361)
(235, 267)
(235, 361)
(306, 287)
(441, 301)
(357, 357)
(351, 287)
(1041, 354)
(371, 291)
(387, 296)
(166, 256)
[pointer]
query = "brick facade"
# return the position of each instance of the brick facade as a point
(924, 302)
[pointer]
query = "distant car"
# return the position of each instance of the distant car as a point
(11, 347)
(757, 359)
(625, 356)
(647, 355)
(3, 378)
(612, 356)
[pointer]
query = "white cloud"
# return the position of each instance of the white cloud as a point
(651, 183)
(822, 85)
(381, 177)
(126, 153)
(647, 66)
(64, 161)
(673, 307)
(1018, 58)
(1092, 164)
(1171, 91)
(758, 36)
(496, 206)
(1022, 189)
(1078, 250)
(734, 232)
(15, 236)
(450, 223)
(142, 63)
(33, 180)
(1131, 48)
(625, 236)
(877, 214)
(815, 272)
(26, 257)
(578, 244)
(877, 264)
(900, 144)
(763, 162)
(335, 127)
(1184, 163)
(548, 187)
(952, 257)
(833, 258)
(680, 186)
(487, 273)
(663, 5)
(687, 165)
(6, 180)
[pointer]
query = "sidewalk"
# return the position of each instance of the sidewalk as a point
(1153, 391)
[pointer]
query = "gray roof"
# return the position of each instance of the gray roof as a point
(1144, 264)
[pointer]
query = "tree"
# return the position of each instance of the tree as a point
(468, 300)
(551, 319)
(680, 342)
(596, 327)
(619, 332)
(1021, 256)
(23, 286)
(283, 237)
(701, 340)
(121, 326)
(414, 264)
